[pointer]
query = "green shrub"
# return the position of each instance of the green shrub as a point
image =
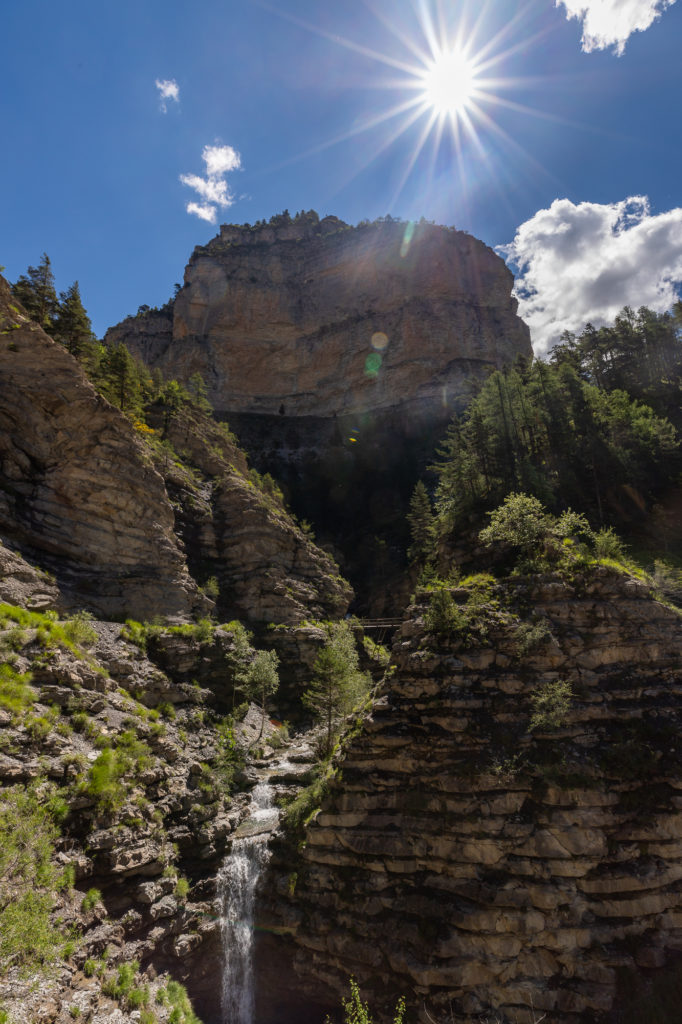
(551, 704)
(29, 879)
(79, 631)
(211, 588)
(103, 781)
(136, 998)
(357, 1012)
(89, 967)
(607, 544)
(135, 633)
(444, 617)
(38, 728)
(90, 900)
(520, 522)
(531, 635)
(15, 693)
(182, 888)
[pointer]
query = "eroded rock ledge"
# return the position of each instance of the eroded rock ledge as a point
(479, 865)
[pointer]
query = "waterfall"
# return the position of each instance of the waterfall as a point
(237, 890)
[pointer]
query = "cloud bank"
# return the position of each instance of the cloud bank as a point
(584, 262)
(213, 190)
(168, 90)
(612, 22)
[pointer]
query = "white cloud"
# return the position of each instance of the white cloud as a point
(202, 210)
(220, 160)
(213, 189)
(612, 22)
(168, 90)
(584, 262)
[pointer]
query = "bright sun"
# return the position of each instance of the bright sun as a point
(449, 83)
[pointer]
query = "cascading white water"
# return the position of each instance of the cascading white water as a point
(237, 889)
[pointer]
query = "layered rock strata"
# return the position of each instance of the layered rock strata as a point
(76, 487)
(267, 568)
(316, 318)
(477, 860)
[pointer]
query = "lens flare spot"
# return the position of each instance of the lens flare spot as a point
(379, 341)
(407, 238)
(372, 364)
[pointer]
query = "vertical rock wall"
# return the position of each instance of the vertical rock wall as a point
(480, 866)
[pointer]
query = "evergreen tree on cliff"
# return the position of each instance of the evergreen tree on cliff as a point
(72, 324)
(36, 292)
(420, 518)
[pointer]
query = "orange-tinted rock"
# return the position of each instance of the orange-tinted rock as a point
(312, 318)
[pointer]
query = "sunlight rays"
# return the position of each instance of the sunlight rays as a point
(449, 78)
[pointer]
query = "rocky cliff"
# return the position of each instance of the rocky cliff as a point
(76, 485)
(106, 505)
(339, 355)
(489, 846)
(316, 318)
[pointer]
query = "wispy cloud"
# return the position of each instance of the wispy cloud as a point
(612, 22)
(213, 189)
(583, 263)
(168, 90)
(202, 210)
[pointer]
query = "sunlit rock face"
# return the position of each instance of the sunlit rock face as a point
(316, 318)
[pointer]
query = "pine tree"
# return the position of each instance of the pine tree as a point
(338, 683)
(119, 379)
(36, 292)
(72, 324)
(260, 681)
(420, 518)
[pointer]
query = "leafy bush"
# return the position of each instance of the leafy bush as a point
(357, 1012)
(444, 617)
(551, 704)
(103, 782)
(531, 635)
(521, 522)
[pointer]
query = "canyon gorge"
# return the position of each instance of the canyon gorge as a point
(498, 834)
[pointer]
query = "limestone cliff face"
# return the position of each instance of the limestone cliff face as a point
(480, 865)
(75, 486)
(311, 318)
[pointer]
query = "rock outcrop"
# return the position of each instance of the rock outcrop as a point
(482, 862)
(316, 318)
(339, 355)
(76, 486)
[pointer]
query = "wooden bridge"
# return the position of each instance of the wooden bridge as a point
(380, 628)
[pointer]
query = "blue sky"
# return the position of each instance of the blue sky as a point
(567, 150)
